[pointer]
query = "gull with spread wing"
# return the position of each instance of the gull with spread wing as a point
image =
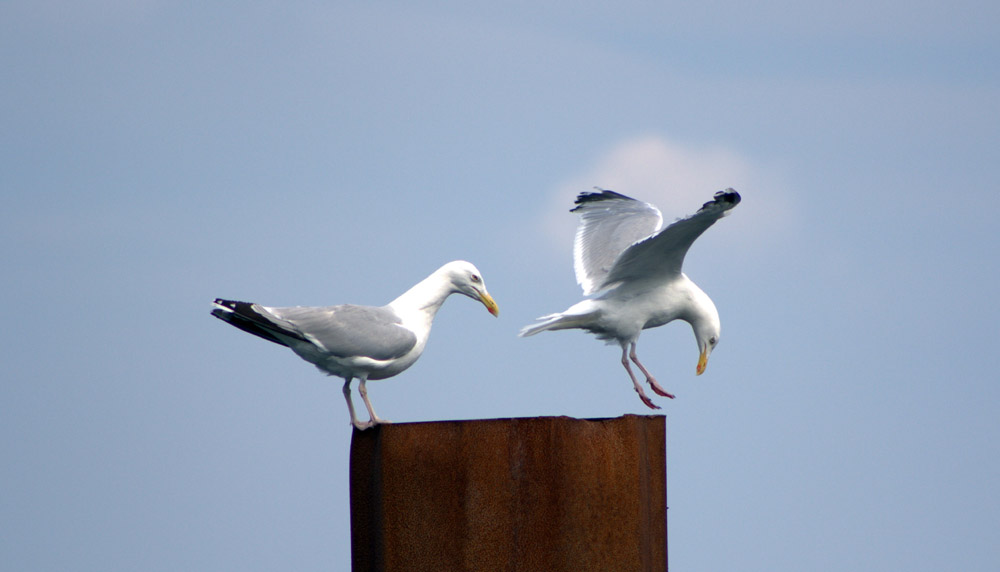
(622, 252)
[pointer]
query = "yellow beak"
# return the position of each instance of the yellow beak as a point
(702, 362)
(487, 301)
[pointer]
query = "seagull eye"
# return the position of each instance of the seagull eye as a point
(713, 340)
(475, 278)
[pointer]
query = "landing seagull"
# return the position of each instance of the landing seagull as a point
(364, 342)
(621, 252)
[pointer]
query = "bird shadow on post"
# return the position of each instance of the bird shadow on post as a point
(549, 494)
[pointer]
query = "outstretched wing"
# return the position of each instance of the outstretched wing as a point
(662, 254)
(609, 223)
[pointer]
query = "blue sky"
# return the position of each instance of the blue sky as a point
(156, 155)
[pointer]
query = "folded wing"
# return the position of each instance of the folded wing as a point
(348, 330)
(341, 331)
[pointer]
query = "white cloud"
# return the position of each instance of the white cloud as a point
(678, 179)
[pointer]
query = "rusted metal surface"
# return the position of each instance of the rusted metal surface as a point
(549, 494)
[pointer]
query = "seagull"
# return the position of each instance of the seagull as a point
(621, 252)
(364, 342)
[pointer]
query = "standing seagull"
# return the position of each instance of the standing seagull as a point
(365, 342)
(620, 250)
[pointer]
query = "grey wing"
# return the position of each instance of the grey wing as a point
(663, 254)
(609, 223)
(350, 331)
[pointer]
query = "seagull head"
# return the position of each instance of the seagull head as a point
(707, 327)
(706, 343)
(466, 279)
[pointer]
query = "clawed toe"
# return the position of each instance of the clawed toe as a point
(656, 387)
(646, 400)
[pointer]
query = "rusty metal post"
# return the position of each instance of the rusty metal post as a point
(549, 494)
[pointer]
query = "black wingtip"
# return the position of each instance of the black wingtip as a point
(603, 195)
(233, 310)
(243, 316)
(233, 305)
(728, 199)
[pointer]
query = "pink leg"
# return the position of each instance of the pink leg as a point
(350, 407)
(649, 378)
(638, 388)
(363, 390)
